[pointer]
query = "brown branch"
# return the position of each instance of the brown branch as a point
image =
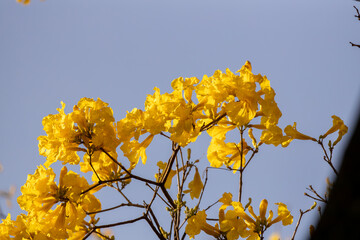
(211, 205)
(160, 236)
(209, 125)
(166, 173)
(354, 45)
(318, 197)
(358, 13)
(104, 182)
(120, 223)
(129, 173)
(358, 17)
(113, 225)
(155, 218)
(157, 194)
(326, 156)
(298, 222)
(93, 167)
(118, 206)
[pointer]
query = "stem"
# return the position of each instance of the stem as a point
(298, 222)
(209, 125)
(157, 194)
(93, 168)
(160, 236)
(240, 185)
(103, 182)
(241, 162)
(118, 206)
(112, 225)
(129, 173)
(327, 158)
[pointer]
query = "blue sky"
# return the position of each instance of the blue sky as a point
(52, 51)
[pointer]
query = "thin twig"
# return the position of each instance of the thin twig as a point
(129, 173)
(241, 162)
(211, 205)
(326, 157)
(299, 220)
(209, 125)
(160, 236)
(156, 192)
(113, 225)
(93, 168)
(118, 206)
(358, 17)
(104, 182)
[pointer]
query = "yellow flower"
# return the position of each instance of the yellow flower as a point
(134, 150)
(269, 111)
(232, 224)
(274, 135)
(293, 133)
(237, 223)
(61, 141)
(338, 124)
(220, 153)
(25, 2)
(105, 168)
(185, 125)
(187, 86)
(242, 112)
(259, 223)
(197, 223)
(251, 135)
(226, 199)
(24, 227)
(91, 124)
(131, 126)
(195, 186)
(41, 194)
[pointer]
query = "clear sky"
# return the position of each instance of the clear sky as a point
(63, 50)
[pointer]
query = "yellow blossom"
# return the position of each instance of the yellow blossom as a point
(57, 208)
(195, 186)
(254, 225)
(134, 150)
(25, 2)
(197, 223)
(273, 135)
(90, 127)
(338, 125)
(220, 153)
(293, 133)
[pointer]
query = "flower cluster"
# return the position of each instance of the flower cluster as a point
(90, 137)
(237, 223)
(55, 211)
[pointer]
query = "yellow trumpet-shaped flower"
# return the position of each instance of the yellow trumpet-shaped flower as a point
(338, 125)
(134, 150)
(293, 133)
(195, 186)
(274, 135)
(197, 223)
